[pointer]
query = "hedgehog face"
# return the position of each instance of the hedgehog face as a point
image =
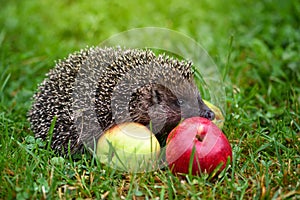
(165, 107)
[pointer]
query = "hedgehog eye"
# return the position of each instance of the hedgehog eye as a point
(180, 102)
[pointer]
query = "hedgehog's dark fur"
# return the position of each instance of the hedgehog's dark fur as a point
(96, 88)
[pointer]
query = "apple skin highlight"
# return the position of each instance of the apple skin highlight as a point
(203, 138)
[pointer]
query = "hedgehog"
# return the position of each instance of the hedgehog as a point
(96, 88)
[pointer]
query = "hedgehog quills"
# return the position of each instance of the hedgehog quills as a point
(96, 88)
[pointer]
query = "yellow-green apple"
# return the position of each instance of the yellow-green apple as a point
(130, 147)
(219, 118)
(202, 139)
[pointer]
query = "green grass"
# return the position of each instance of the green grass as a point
(257, 47)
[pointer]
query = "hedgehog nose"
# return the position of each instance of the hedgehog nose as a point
(209, 115)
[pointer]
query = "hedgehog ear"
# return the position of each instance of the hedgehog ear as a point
(156, 97)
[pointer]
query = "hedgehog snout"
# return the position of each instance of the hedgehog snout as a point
(209, 114)
(204, 110)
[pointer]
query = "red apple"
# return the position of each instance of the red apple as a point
(199, 137)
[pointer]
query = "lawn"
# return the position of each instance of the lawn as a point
(256, 46)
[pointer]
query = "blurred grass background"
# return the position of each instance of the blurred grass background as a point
(258, 42)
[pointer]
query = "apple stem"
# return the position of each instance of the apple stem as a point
(199, 138)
